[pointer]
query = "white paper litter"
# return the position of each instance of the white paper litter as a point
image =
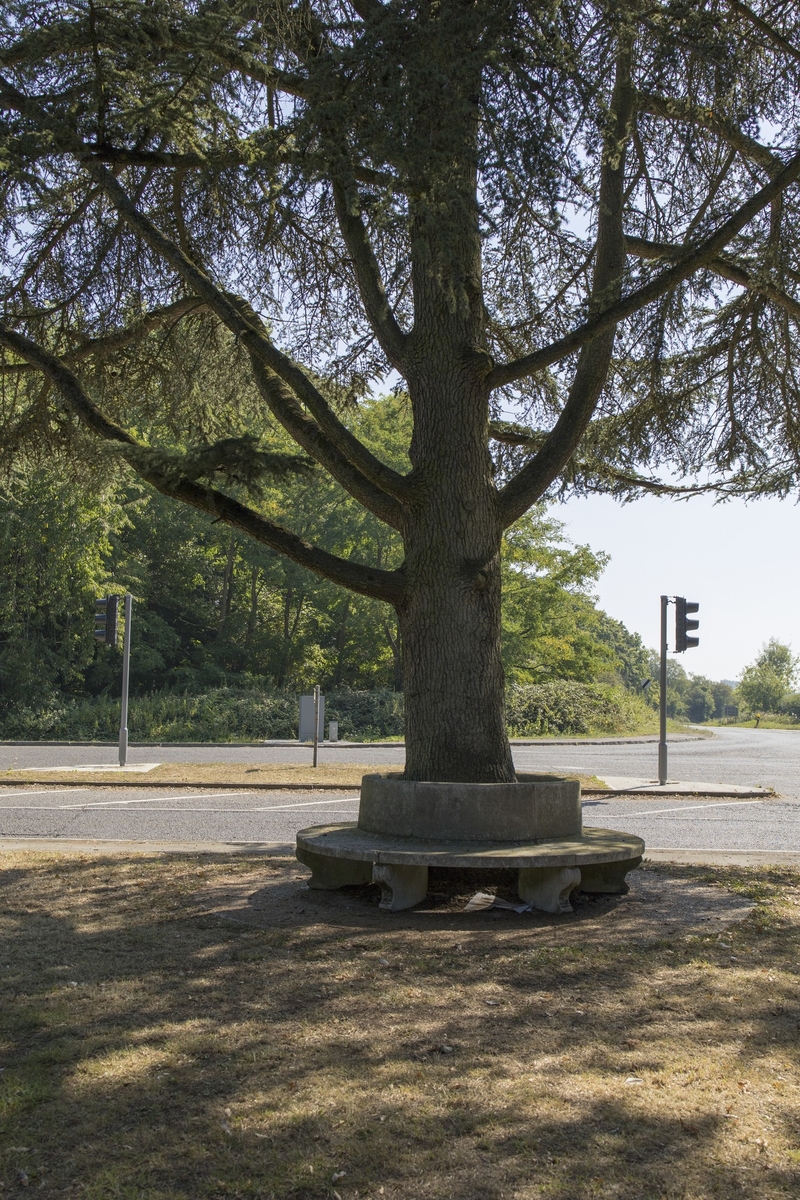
(484, 900)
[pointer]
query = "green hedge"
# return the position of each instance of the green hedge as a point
(230, 714)
(563, 709)
(218, 715)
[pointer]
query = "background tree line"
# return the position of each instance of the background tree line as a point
(218, 616)
(213, 609)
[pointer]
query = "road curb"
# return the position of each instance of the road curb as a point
(633, 740)
(117, 782)
(158, 784)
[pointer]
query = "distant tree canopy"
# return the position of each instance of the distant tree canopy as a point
(766, 683)
(571, 229)
(213, 608)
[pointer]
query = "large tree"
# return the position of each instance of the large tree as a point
(577, 215)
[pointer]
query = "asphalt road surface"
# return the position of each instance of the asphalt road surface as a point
(765, 757)
(168, 815)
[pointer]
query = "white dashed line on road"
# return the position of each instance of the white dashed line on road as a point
(654, 812)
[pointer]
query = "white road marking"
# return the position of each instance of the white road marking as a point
(207, 796)
(715, 850)
(306, 804)
(654, 812)
(139, 811)
(340, 800)
(150, 799)
(70, 791)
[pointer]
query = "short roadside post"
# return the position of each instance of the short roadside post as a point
(316, 722)
(126, 671)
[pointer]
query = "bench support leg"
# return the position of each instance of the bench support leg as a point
(609, 877)
(548, 888)
(401, 887)
(330, 873)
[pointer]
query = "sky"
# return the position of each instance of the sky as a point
(739, 560)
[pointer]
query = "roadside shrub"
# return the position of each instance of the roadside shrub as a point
(791, 707)
(217, 715)
(250, 714)
(366, 716)
(564, 708)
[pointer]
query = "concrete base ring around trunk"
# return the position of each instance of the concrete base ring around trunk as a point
(536, 808)
(342, 854)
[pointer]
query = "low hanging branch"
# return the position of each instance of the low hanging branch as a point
(164, 473)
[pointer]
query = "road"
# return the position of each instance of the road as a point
(765, 757)
(143, 814)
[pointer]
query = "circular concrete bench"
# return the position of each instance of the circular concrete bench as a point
(533, 826)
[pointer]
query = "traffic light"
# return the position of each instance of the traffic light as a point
(105, 620)
(683, 624)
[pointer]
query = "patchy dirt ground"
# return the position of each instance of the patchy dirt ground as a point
(181, 1028)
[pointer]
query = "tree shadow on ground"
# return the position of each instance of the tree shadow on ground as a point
(153, 1049)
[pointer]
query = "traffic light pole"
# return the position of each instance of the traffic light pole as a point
(662, 699)
(126, 670)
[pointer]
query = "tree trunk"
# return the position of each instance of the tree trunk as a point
(227, 582)
(450, 617)
(341, 643)
(252, 616)
(396, 647)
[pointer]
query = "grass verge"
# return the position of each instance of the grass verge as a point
(345, 775)
(751, 723)
(152, 1051)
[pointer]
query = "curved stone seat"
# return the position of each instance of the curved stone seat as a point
(549, 871)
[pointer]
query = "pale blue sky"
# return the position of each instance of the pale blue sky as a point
(738, 560)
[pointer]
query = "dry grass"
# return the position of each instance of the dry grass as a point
(152, 1051)
(233, 774)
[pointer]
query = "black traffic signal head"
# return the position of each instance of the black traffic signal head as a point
(683, 624)
(105, 620)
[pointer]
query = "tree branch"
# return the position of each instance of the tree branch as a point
(390, 336)
(510, 434)
(368, 10)
(369, 480)
(365, 477)
(692, 258)
(74, 37)
(248, 156)
(642, 248)
(594, 359)
(772, 34)
(707, 118)
(368, 581)
(111, 343)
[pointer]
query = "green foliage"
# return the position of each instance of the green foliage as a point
(699, 700)
(214, 609)
(552, 629)
(253, 713)
(564, 708)
(689, 697)
(765, 683)
(218, 714)
(55, 550)
(791, 706)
